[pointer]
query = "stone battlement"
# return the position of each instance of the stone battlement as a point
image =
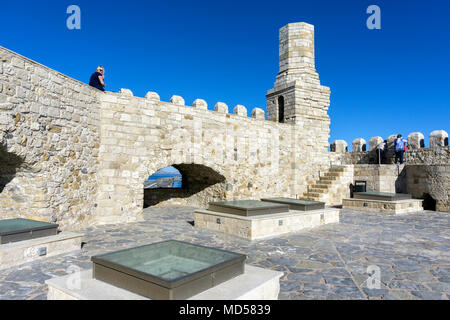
(200, 104)
(438, 139)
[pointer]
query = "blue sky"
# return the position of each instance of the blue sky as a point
(383, 82)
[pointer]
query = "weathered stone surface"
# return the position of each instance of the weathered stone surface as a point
(200, 104)
(438, 139)
(345, 251)
(339, 146)
(374, 142)
(258, 113)
(240, 110)
(221, 107)
(152, 96)
(177, 100)
(126, 92)
(416, 141)
(359, 145)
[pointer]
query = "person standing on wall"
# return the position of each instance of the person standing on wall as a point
(98, 79)
(400, 147)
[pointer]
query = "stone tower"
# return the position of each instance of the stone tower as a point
(300, 100)
(297, 97)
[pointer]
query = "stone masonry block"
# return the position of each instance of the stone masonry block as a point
(221, 107)
(416, 140)
(177, 100)
(126, 92)
(359, 145)
(200, 104)
(258, 113)
(438, 138)
(240, 111)
(339, 146)
(374, 142)
(152, 96)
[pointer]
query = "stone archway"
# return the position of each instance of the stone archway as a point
(200, 185)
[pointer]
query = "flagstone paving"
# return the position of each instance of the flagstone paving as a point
(412, 253)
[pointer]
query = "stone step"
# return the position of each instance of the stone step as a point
(313, 195)
(317, 190)
(333, 174)
(327, 180)
(322, 185)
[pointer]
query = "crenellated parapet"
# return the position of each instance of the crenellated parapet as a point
(416, 140)
(437, 152)
(198, 104)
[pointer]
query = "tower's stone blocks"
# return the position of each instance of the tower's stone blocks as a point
(296, 52)
(298, 98)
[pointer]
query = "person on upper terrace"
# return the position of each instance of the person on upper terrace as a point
(98, 79)
(399, 148)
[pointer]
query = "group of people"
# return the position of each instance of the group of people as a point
(400, 146)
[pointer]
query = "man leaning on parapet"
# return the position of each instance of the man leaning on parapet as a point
(98, 79)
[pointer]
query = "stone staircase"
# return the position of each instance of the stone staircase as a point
(332, 187)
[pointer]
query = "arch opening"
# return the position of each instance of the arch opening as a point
(281, 109)
(428, 202)
(198, 186)
(9, 166)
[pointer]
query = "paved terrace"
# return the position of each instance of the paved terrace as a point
(412, 251)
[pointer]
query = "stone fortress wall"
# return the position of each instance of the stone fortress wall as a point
(76, 156)
(426, 172)
(49, 143)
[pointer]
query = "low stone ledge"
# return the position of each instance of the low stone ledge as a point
(255, 284)
(17, 253)
(385, 207)
(264, 226)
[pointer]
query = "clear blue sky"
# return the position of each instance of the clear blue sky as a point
(388, 81)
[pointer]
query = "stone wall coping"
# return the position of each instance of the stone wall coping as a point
(198, 104)
(48, 68)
